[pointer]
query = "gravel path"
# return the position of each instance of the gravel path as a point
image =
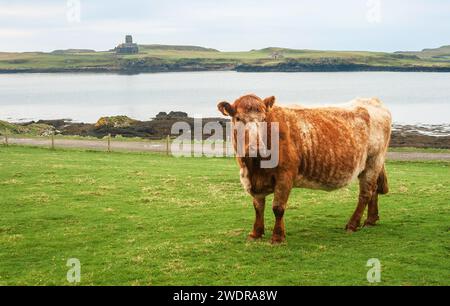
(142, 146)
(411, 156)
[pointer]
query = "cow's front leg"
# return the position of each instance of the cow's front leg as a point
(282, 191)
(258, 226)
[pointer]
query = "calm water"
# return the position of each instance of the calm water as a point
(412, 97)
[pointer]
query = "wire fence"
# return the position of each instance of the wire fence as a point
(166, 146)
(110, 144)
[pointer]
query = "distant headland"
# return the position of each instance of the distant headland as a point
(132, 58)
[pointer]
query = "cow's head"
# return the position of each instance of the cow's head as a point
(246, 109)
(249, 112)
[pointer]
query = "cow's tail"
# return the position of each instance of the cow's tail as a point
(382, 182)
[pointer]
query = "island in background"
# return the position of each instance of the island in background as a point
(132, 58)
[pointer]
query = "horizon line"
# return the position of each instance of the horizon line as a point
(223, 51)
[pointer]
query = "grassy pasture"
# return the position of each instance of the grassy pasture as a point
(148, 219)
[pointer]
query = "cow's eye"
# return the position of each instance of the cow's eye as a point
(238, 119)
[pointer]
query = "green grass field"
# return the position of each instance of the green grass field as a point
(147, 219)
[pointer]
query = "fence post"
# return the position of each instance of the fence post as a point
(109, 142)
(168, 145)
(53, 141)
(5, 134)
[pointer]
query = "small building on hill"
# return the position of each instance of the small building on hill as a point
(276, 55)
(128, 47)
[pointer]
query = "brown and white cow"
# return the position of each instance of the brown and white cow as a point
(319, 148)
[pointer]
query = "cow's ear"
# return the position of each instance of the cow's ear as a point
(226, 108)
(269, 102)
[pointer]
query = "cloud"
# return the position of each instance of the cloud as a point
(139, 26)
(227, 25)
(31, 11)
(15, 33)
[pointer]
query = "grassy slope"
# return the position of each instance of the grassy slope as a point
(182, 55)
(37, 60)
(437, 54)
(33, 129)
(156, 220)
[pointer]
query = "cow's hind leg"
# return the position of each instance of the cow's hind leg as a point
(367, 193)
(382, 188)
(258, 226)
(372, 211)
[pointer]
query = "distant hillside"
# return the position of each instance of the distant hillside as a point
(442, 53)
(166, 58)
(176, 48)
(73, 51)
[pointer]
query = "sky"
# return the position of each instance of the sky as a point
(232, 25)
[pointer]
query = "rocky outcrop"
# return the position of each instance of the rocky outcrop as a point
(333, 65)
(115, 122)
(31, 128)
(171, 115)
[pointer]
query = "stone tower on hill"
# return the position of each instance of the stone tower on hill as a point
(128, 47)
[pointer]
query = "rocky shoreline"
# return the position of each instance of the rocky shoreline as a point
(419, 136)
(137, 68)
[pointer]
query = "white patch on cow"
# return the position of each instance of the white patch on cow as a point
(305, 127)
(380, 122)
(245, 180)
(358, 170)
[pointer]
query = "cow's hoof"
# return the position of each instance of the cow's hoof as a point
(252, 237)
(278, 240)
(351, 228)
(370, 223)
